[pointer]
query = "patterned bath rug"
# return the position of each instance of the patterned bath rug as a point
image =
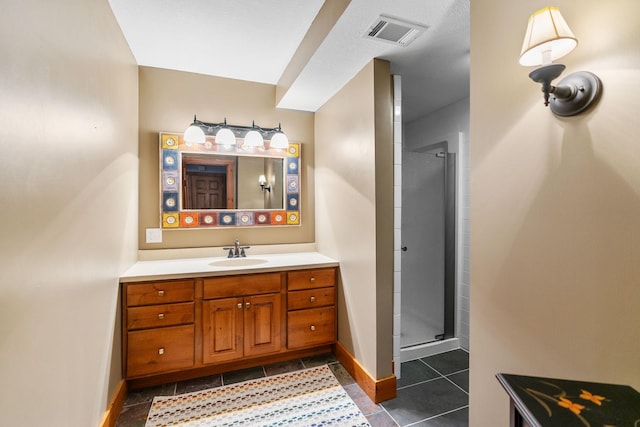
(309, 397)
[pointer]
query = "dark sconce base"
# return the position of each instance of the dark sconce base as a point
(574, 94)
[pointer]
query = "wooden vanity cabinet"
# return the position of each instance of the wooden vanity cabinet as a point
(247, 323)
(311, 307)
(180, 329)
(159, 324)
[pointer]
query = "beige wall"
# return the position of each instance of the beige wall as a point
(354, 214)
(168, 101)
(68, 167)
(555, 271)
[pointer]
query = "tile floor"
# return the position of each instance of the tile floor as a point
(432, 392)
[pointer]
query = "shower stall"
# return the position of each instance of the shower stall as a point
(428, 260)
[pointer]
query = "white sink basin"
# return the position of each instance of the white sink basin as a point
(237, 262)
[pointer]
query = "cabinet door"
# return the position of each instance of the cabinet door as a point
(159, 350)
(154, 316)
(306, 328)
(311, 298)
(222, 329)
(309, 279)
(160, 292)
(262, 324)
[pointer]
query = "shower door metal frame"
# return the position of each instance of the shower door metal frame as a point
(450, 247)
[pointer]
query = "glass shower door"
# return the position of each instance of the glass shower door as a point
(423, 236)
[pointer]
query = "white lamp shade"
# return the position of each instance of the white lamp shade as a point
(548, 37)
(225, 136)
(194, 134)
(279, 140)
(253, 139)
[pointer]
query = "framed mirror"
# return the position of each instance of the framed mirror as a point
(210, 185)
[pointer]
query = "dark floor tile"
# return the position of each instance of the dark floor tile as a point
(147, 394)
(426, 400)
(321, 359)
(461, 379)
(381, 419)
(459, 418)
(415, 371)
(242, 375)
(283, 367)
(198, 384)
(364, 403)
(134, 415)
(341, 374)
(449, 361)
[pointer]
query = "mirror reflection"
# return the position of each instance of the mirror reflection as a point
(217, 185)
(231, 182)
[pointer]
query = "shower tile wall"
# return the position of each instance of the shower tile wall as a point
(397, 223)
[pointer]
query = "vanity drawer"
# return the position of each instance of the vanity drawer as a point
(159, 350)
(311, 298)
(153, 316)
(248, 284)
(159, 292)
(309, 279)
(306, 328)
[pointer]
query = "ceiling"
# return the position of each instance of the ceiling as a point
(257, 40)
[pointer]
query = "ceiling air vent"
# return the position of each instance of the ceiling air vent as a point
(394, 30)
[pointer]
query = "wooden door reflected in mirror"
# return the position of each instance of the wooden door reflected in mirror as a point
(208, 182)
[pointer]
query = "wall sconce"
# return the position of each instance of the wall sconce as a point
(548, 37)
(226, 134)
(262, 180)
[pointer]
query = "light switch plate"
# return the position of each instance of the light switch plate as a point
(154, 235)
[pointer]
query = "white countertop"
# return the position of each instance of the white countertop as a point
(201, 267)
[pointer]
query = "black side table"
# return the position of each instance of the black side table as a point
(551, 402)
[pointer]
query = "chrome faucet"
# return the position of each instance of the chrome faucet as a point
(236, 251)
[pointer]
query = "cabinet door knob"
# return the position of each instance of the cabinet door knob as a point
(312, 280)
(160, 316)
(161, 351)
(313, 327)
(239, 306)
(160, 293)
(312, 299)
(247, 305)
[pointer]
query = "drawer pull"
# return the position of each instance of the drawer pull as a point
(313, 327)
(160, 316)
(161, 351)
(312, 299)
(312, 280)
(239, 306)
(247, 305)
(160, 293)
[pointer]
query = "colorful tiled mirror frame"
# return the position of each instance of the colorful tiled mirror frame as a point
(173, 217)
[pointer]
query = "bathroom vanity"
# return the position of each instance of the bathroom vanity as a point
(188, 318)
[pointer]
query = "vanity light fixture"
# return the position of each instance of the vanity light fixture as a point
(253, 138)
(548, 37)
(226, 134)
(279, 139)
(262, 180)
(194, 132)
